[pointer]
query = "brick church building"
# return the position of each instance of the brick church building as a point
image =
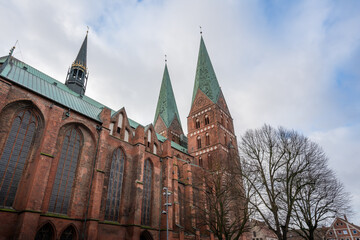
(72, 168)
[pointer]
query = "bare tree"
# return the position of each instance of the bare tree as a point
(320, 200)
(274, 163)
(221, 202)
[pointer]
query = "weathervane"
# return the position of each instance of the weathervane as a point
(200, 30)
(165, 59)
(87, 31)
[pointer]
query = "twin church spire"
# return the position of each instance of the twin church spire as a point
(205, 78)
(167, 119)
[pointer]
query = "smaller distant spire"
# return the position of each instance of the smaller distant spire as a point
(77, 76)
(7, 59)
(11, 51)
(166, 106)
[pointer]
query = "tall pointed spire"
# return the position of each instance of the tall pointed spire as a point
(81, 57)
(205, 78)
(77, 75)
(166, 106)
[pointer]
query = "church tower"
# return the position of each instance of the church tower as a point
(77, 75)
(167, 118)
(210, 125)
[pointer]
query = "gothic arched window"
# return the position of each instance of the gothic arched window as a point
(225, 139)
(207, 120)
(65, 174)
(45, 232)
(155, 149)
(111, 127)
(68, 234)
(149, 138)
(120, 121)
(198, 142)
(126, 135)
(115, 186)
(197, 123)
(146, 203)
(200, 162)
(221, 119)
(207, 139)
(16, 151)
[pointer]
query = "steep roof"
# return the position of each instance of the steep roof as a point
(205, 78)
(166, 106)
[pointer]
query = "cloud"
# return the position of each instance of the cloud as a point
(294, 64)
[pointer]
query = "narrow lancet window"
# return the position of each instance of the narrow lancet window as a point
(66, 169)
(126, 135)
(120, 121)
(115, 186)
(146, 203)
(16, 151)
(207, 139)
(197, 123)
(198, 142)
(207, 120)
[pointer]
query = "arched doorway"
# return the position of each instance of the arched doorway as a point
(145, 235)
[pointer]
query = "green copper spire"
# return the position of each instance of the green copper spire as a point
(205, 78)
(166, 107)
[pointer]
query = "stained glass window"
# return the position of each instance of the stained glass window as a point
(16, 151)
(65, 174)
(146, 204)
(115, 186)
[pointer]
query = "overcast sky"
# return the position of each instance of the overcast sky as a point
(286, 63)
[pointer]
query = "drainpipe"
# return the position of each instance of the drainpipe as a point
(98, 129)
(161, 172)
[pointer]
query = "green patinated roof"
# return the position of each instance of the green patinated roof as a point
(160, 137)
(205, 78)
(178, 147)
(166, 106)
(36, 81)
(31, 78)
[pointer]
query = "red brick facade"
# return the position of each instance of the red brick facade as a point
(34, 210)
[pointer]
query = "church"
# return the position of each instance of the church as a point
(72, 168)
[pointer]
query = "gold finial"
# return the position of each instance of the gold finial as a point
(165, 58)
(200, 30)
